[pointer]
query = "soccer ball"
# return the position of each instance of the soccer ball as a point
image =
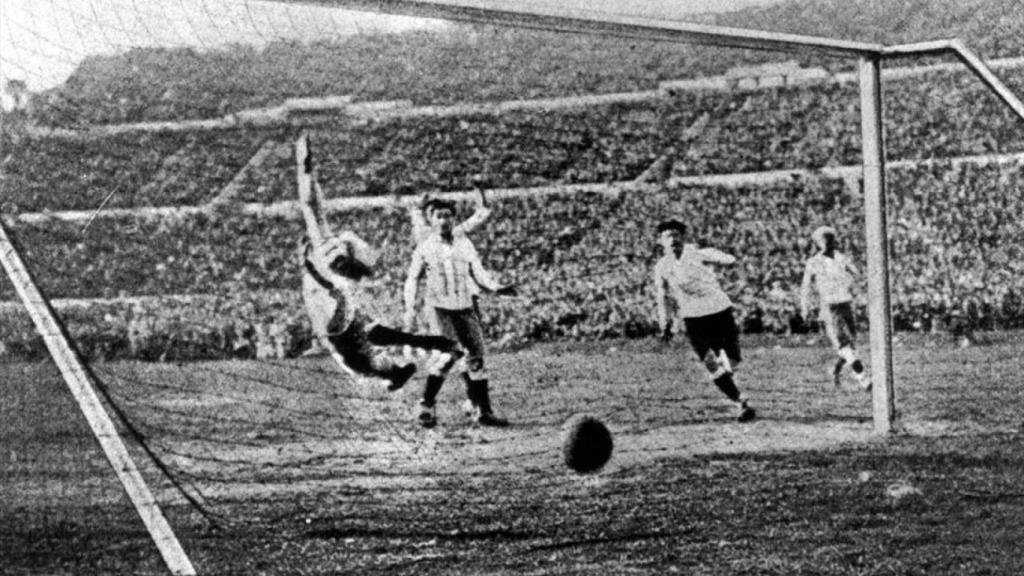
(587, 444)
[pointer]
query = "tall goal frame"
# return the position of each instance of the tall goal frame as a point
(83, 389)
(550, 15)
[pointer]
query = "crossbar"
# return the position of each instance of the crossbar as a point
(957, 48)
(557, 18)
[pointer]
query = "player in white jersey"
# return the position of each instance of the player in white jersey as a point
(454, 275)
(333, 265)
(830, 274)
(683, 276)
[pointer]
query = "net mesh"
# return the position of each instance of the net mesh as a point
(61, 504)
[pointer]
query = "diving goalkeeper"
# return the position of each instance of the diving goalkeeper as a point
(333, 265)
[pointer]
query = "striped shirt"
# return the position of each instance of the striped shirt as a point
(693, 286)
(453, 271)
(421, 229)
(832, 278)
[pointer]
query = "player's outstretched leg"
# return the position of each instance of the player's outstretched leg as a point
(353, 351)
(720, 368)
(381, 335)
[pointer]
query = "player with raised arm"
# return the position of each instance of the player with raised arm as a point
(830, 274)
(421, 227)
(333, 265)
(454, 274)
(683, 276)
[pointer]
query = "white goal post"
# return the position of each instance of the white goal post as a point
(554, 16)
(82, 388)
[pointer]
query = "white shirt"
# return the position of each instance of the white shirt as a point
(323, 303)
(693, 286)
(832, 278)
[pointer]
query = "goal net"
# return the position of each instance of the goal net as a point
(182, 300)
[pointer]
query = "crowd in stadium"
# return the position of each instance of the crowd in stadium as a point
(702, 132)
(941, 115)
(478, 63)
(127, 170)
(582, 261)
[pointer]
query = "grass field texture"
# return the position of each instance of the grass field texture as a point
(304, 472)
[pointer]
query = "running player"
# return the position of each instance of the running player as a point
(831, 274)
(682, 274)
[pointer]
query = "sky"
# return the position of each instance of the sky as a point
(42, 41)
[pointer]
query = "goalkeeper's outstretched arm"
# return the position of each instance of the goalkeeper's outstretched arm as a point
(310, 193)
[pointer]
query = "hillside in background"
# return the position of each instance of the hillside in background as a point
(480, 63)
(994, 28)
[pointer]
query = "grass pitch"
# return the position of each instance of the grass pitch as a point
(304, 472)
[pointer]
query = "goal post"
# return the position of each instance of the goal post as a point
(877, 246)
(557, 17)
(80, 383)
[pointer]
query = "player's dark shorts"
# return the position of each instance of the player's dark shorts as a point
(464, 327)
(353, 344)
(714, 332)
(840, 325)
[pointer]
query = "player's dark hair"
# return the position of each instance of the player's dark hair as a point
(438, 204)
(672, 225)
(351, 268)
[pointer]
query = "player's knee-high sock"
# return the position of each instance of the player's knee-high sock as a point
(479, 394)
(432, 388)
(384, 336)
(727, 385)
(721, 374)
(472, 390)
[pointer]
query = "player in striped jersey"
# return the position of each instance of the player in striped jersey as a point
(333, 266)
(830, 274)
(682, 274)
(454, 275)
(421, 227)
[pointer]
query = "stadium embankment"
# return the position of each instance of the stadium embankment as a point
(850, 175)
(244, 322)
(313, 111)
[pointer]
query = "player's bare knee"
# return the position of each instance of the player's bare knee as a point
(714, 366)
(847, 353)
(724, 362)
(475, 368)
(440, 363)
